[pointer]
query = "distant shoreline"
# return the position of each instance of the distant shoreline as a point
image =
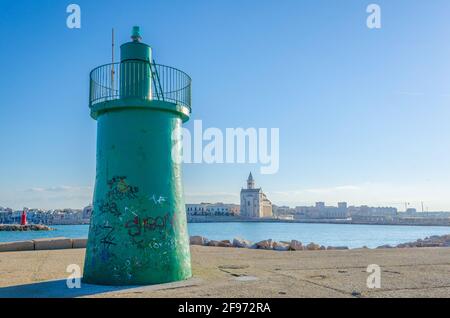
(24, 228)
(353, 236)
(234, 219)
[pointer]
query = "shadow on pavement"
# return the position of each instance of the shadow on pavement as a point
(56, 289)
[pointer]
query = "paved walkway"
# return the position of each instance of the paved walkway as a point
(229, 272)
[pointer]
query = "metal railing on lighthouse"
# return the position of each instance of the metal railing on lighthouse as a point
(131, 79)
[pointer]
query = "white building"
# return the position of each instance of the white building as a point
(212, 209)
(254, 202)
(87, 212)
(373, 211)
(321, 211)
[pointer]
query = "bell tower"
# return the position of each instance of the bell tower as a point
(250, 182)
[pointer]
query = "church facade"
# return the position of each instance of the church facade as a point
(254, 202)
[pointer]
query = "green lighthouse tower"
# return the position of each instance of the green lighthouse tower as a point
(138, 231)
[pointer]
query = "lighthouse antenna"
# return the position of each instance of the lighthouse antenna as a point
(112, 64)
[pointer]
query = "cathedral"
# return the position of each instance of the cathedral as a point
(254, 202)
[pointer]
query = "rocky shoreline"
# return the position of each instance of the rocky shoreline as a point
(269, 244)
(432, 241)
(294, 245)
(24, 228)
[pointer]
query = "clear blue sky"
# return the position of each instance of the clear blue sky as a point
(363, 114)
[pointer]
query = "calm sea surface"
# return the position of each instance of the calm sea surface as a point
(352, 236)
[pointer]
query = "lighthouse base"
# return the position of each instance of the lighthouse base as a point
(138, 232)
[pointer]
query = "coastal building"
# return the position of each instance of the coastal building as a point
(282, 210)
(343, 211)
(49, 217)
(6, 216)
(430, 215)
(87, 212)
(322, 211)
(212, 209)
(342, 206)
(254, 203)
(65, 217)
(366, 211)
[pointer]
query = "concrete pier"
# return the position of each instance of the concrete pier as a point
(234, 273)
(54, 243)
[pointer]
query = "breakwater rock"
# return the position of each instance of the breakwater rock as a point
(24, 228)
(432, 241)
(269, 244)
(263, 245)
